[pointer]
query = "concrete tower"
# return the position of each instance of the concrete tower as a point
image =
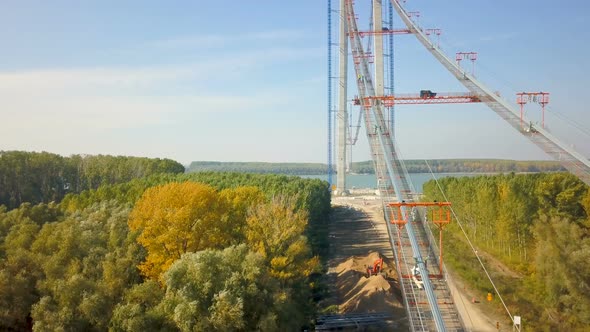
(342, 115)
(378, 47)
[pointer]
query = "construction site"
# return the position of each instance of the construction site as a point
(365, 298)
(407, 243)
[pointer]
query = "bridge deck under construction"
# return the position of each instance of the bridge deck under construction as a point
(417, 304)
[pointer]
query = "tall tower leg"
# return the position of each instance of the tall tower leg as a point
(342, 117)
(391, 73)
(378, 46)
(330, 169)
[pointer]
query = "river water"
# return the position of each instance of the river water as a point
(370, 181)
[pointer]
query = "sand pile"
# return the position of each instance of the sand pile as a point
(360, 263)
(361, 294)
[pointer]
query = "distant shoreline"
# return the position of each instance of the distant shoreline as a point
(483, 166)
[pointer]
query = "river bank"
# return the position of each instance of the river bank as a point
(363, 181)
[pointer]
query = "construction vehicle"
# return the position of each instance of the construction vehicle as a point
(417, 278)
(530, 128)
(425, 94)
(376, 269)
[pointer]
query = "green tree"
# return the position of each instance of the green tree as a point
(275, 230)
(19, 269)
(45, 177)
(226, 290)
(140, 310)
(561, 272)
(87, 261)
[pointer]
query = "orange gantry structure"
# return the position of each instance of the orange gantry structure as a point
(385, 31)
(425, 97)
(441, 216)
(542, 98)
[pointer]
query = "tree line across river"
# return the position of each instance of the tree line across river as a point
(366, 167)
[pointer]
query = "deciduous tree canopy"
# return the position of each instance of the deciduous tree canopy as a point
(221, 290)
(45, 177)
(177, 218)
(538, 225)
(74, 266)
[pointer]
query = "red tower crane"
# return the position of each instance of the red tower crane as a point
(425, 97)
(385, 31)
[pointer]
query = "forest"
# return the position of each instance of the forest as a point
(468, 166)
(42, 177)
(536, 225)
(366, 167)
(96, 243)
(258, 167)
(163, 251)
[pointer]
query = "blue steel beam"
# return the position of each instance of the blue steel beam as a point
(330, 167)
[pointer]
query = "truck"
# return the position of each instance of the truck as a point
(425, 94)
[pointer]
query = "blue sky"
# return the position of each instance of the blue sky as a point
(246, 80)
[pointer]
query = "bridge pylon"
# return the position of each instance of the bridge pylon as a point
(342, 113)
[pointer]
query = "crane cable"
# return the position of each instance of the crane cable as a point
(569, 121)
(471, 244)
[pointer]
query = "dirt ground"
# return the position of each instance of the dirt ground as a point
(357, 239)
(358, 236)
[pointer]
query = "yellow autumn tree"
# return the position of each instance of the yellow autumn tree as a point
(176, 218)
(239, 201)
(276, 231)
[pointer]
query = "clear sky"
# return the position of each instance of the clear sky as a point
(246, 80)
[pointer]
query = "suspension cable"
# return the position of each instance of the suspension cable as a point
(510, 86)
(353, 139)
(470, 243)
(569, 121)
